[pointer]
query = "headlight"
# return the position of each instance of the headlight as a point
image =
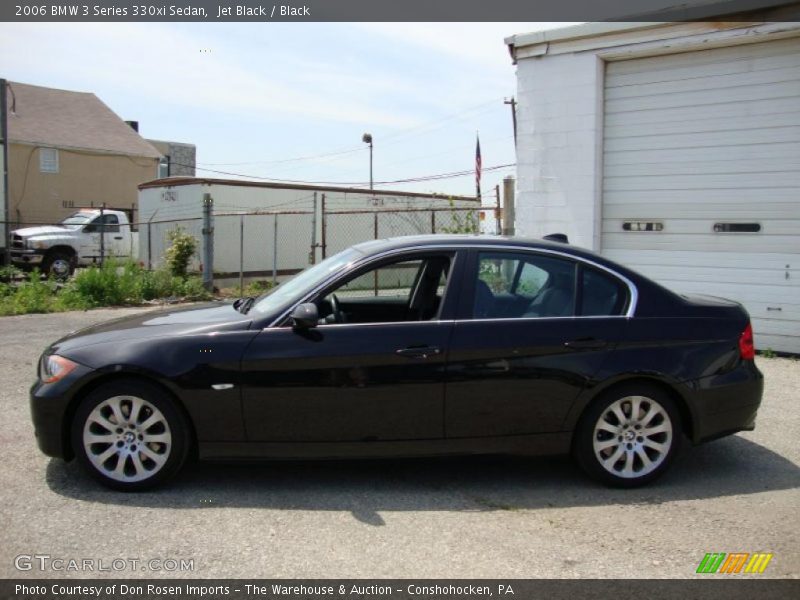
(54, 367)
(38, 245)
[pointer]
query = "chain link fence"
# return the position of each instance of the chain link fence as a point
(238, 246)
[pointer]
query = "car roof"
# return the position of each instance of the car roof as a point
(461, 240)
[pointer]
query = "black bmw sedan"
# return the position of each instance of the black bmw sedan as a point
(409, 347)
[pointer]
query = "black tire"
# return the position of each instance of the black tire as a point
(145, 464)
(58, 264)
(597, 449)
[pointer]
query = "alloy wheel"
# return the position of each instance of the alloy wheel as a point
(127, 439)
(632, 437)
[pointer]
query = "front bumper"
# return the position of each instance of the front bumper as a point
(27, 258)
(51, 411)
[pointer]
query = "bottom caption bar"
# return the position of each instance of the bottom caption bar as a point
(400, 589)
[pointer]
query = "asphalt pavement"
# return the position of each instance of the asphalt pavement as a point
(469, 517)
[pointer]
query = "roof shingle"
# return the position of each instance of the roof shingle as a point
(62, 118)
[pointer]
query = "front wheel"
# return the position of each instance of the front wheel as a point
(59, 265)
(629, 436)
(130, 436)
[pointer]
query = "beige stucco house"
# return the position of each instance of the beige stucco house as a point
(68, 149)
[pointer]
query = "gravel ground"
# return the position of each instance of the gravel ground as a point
(477, 517)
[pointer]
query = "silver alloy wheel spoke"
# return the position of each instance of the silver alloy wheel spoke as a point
(632, 437)
(122, 448)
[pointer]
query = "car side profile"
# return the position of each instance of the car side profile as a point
(418, 346)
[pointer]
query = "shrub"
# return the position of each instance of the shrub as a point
(182, 248)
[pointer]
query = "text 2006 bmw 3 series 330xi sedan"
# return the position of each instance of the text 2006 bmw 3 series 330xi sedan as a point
(413, 346)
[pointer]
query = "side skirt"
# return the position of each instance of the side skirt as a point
(528, 445)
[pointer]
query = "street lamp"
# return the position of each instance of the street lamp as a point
(367, 139)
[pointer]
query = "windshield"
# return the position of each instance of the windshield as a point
(76, 221)
(302, 283)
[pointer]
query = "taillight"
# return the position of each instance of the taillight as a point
(746, 349)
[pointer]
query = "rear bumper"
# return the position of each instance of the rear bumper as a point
(725, 404)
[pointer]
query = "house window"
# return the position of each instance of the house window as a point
(163, 167)
(48, 160)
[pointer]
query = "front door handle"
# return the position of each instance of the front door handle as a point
(418, 351)
(586, 344)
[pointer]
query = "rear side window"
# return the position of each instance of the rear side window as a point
(601, 294)
(512, 285)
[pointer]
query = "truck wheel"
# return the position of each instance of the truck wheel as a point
(58, 264)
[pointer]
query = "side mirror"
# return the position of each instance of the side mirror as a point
(305, 316)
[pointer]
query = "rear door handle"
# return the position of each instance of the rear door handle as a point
(586, 344)
(418, 351)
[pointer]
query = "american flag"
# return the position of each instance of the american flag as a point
(478, 166)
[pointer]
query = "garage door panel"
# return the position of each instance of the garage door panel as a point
(711, 81)
(784, 343)
(634, 198)
(729, 110)
(703, 125)
(705, 227)
(762, 135)
(724, 243)
(709, 211)
(760, 55)
(691, 258)
(711, 167)
(785, 151)
(784, 89)
(727, 275)
(754, 180)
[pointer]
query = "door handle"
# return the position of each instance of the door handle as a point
(117, 237)
(418, 351)
(586, 344)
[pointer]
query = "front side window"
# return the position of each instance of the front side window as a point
(521, 285)
(48, 160)
(399, 291)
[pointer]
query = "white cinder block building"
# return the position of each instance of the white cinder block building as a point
(672, 148)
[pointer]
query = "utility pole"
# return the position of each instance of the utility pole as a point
(367, 139)
(508, 205)
(4, 159)
(513, 103)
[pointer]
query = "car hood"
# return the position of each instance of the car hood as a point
(48, 230)
(196, 319)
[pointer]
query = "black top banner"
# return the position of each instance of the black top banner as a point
(396, 10)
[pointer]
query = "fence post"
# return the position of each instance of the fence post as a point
(149, 247)
(324, 224)
(375, 271)
(241, 254)
(102, 234)
(275, 252)
(208, 242)
(433, 221)
(312, 256)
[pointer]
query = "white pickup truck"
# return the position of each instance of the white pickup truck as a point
(58, 249)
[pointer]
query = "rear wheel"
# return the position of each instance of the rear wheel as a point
(59, 265)
(629, 436)
(129, 435)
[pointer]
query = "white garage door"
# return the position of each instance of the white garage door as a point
(701, 182)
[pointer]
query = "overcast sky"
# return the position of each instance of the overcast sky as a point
(251, 95)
